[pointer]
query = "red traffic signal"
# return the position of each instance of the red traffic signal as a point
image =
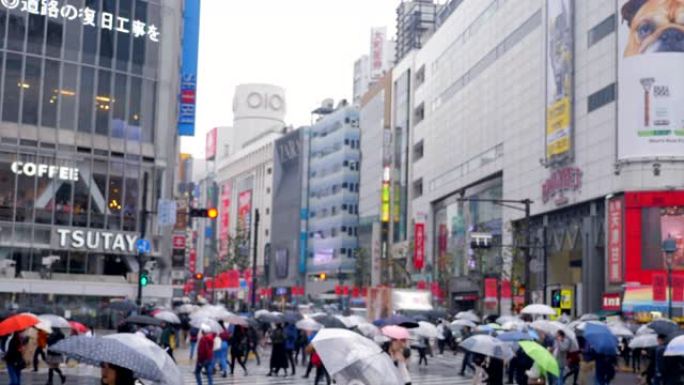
(199, 276)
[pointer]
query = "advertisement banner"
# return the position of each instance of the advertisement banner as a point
(244, 220)
(378, 37)
(614, 239)
(419, 246)
(659, 287)
(651, 89)
(611, 302)
(224, 219)
(191, 29)
(560, 60)
(677, 288)
(506, 289)
(491, 289)
(210, 145)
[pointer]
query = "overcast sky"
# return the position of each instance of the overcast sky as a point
(306, 46)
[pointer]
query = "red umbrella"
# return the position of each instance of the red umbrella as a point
(17, 323)
(78, 327)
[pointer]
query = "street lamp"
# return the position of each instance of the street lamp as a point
(669, 247)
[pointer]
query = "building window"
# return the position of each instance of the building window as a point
(266, 232)
(268, 190)
(418, 188)
(601, 97)
(601, 30)
(419, 113)
(268, 171)
(420, 76)
(268, 210)
(418, 151)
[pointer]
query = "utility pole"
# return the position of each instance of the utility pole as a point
(143, 227)
(254, 257)
(528, 247)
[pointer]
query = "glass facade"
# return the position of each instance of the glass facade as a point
(78, 96)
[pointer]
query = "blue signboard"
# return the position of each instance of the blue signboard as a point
(188, 91)
(143, 246)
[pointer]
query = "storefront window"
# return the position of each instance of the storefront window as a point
(72, 37)
(31, 88)
(89, 46)
(26, 200)
(77, 263)
(67, 97)
(36, 31)
(103, 102)
(81, 201)
(86, 100)
(657, 224)
(115, 195)
(63, 203)
(10, 104)
(45, 202)
(131, 199)
(50, 94)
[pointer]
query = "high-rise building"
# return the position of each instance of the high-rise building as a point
(88, 129)
(416, 21)
(362, 78)
(333, 203)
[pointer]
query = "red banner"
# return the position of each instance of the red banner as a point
(355, 292)
(345, 290)
(419, 246)
(615, 240)
(678, 288)
(491, 289)
(364, 292)
(506, 289)
(224, 219)
(338, 290)
(659, 287)
(192, 263)
(421, 285)
(436, 290)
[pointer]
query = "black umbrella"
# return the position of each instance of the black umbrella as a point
(143, 320)
(399, 320)
(663, 326)
(292, 317)
(123, 306)
(329, 321)
(674, 335)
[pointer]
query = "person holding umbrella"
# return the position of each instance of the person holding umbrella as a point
(561, 347)
(238, 348)
(14, 348)
(166, 341)
(53, 358)
(116, 375)
(205, 356)
(467, 355)
(278, 353)
(41, 345)
(291, 335)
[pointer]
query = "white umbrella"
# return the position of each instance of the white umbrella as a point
(376, 370)
(538, 309)
(208, 322)
(346, 321)
(55, 321)
(236, 320)
(514, 325)
(643, 341)
(426, 330)
(644, 329)
(459, 323)
(508, 318)
(590, 317)
(467, 315)
(167, 316)
(620, 330)
(488, 345)
(340, 348)
(369, 330)
(552, 327)
(44, 326)
(186, 308)
(357, 320)
(308, 324)
(675, 347)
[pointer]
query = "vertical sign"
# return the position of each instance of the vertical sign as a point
(559, 78)
(419, 246)
(614, 239)
(210, 148)
(490, 289)
(506, 289)
(659, 287)
(677, 288)
(651, 88)
(224, 222)
(244, 220)
(377, 57)
(188, 91)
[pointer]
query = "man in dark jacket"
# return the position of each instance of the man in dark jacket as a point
(14, 359)
(468, 356)
(291, 334)
(205, 356)
(165, 339)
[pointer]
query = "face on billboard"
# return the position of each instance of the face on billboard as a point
(651, 87)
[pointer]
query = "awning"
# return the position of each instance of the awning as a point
(640, 299)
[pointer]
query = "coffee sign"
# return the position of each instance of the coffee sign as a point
(44, 171)
(95, 241)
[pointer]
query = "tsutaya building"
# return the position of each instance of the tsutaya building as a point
(88, 117)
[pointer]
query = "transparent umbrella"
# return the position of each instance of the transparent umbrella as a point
(167, 316)
(467, 315)
(55, 321)
(643, 341)
(308, 324)
(426, 330)
(209, 322)
(368, 329)
(340, 348)
(488, 346)
(377, 369)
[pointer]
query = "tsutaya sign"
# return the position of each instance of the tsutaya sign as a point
(103, 20)
(44, 170)
(95, 240)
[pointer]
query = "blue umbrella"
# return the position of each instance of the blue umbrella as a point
(600, 339)
(515, 336)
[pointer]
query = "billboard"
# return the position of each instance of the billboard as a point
(188, 91)
(419, 246)
(224, 218)
(210, 145)
(244, 220)
(614, 239)
(559, 79)
(377, 57)
(651, 89)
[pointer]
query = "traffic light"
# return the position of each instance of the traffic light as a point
(199, 276)
(322, 276)
(555, 298)
(144, 278)
(210, 213)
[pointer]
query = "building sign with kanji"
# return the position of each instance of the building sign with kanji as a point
(53, 9)
(614, 240)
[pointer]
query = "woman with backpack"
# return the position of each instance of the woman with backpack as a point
(278, 353)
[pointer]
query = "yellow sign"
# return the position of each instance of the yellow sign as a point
(558, 127)
(566, 299)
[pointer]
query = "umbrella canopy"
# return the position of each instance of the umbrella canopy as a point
(210, 323)
(143, 357)
(508, 318)
(467, 315)
(270, 317)
(675, 347)
(237, 320)
(600, 338)
(211, 311)
(346, 321)
(329, 321)
(143, 320)
(308, 324)
(514, 325)
(644, 329)
(44, 326)
(514, 336)
(123, 306)
(590, 317)
(620, 330)
(488, 346)
(356, 320)
(17, 323)
(464, 323)
(376, 370)
(395, 332)
(541, 357)
(167, 316)
(292, 316)
(55, 321)
(426, 330)
(644, 341)
(397, 319)
(186, 308)
(674, 335)
(538, 309)
(339, 348)
(368, 329)
(552, 327)
(663, 326)
(78, 327)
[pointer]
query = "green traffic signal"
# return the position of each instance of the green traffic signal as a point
(144, 279)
